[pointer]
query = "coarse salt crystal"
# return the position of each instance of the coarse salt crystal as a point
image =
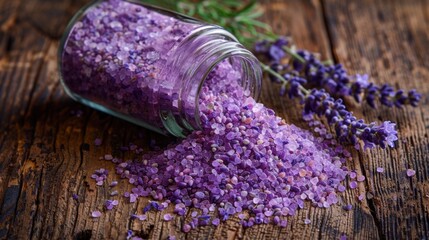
(411, 172)
(96, 214)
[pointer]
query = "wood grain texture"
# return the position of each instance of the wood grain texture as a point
(46, 139)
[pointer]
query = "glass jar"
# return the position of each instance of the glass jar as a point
(147, 65)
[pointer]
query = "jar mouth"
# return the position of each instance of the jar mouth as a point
(207, 47)
(250, 78)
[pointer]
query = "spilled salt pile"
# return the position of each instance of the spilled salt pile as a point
(245, 160)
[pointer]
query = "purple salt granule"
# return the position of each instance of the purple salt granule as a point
(98, 142)
(164, 205)
(155, 205)
(341, 188)
(186, 228)
(113, 184)
(75, 196)
(361, 197)
(353, 184)
(168, 217)
(133, 197)
(307, 221)
(411, 172)
(100, 176)
(380, 169)
(244, 158)
(216, 222)
(96, 214)
(348, 207)
(360, 178)
(130, 233)
(110, 204)
(141, 217)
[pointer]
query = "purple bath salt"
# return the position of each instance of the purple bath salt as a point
(411, 172)
(100, 175)
(167, 217)
(75, 196)
(216, 221)
(360, 178)
(245, 158)
(110, 204)
(348, 207)
(186, 228)
(113, 184)
(98, 142)
(96, 214)
(141, 217)
(129, 60)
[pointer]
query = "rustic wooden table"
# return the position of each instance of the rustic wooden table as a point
(46, 139)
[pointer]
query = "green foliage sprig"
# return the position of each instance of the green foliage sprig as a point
(238, 17)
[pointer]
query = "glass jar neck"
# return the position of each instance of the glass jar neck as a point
(191, 63)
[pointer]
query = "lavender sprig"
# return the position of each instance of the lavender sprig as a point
(348, 128)
(332, 77)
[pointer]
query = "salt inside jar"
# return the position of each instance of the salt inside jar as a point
(147, 65)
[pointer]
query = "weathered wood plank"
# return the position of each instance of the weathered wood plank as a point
(389, 40)
(21, 73)
(47, 151)
(28, 78)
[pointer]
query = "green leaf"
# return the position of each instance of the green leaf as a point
(247, 9)
(255, 14)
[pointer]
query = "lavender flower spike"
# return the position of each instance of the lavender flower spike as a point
(332, 77)
(347, 127)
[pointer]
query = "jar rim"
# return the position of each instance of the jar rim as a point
(245, 60)
(220, 45)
